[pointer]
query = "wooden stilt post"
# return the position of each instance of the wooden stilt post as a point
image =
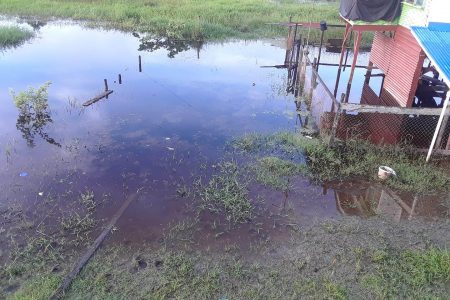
(106, 84)
(341, 59)
(352, 71)
(439, 126)
(441, 132)
(140, 64)
(369, 72)
(120, 79)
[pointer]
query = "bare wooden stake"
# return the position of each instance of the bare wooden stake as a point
(106, 84)
(120, 79)
(140, 64)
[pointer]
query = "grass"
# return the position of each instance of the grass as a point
(275, 172)
(411, 274)
(182, 19)
(14, 36)
(120, 273)
(353, 158)
(41, 250)
(226, 192)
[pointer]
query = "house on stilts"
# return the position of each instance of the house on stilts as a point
(409, 57)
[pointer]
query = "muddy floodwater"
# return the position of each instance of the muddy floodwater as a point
(174, 109)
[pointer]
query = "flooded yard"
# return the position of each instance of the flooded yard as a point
(163, 136)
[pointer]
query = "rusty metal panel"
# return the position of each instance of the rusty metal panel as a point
(381, 51)
(405, 66)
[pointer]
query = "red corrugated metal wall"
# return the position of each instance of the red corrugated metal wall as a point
(401, 59)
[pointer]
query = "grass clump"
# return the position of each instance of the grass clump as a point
(226, 192)
(351, 158)
(411, 275)
(276, 172)
(38, 288)
(14, 36)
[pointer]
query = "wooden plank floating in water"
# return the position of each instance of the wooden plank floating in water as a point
(97, 98)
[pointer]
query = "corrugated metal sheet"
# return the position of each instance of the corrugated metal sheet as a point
(401, 59)
(435, 39)
(406, 64)
(381, 51)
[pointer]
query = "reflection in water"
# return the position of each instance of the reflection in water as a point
(173, 46)
(34, 114)
(36, 24)
(366, 200)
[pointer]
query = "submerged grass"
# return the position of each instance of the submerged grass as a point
(353, 158)
(276, 172)
(188, 19)
(226, 192)
(14, 36)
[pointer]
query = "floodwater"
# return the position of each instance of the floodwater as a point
(165, 121)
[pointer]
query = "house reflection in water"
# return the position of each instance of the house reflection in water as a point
(367, 200)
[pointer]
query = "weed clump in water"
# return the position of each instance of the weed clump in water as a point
(14, 36)
(275, 172)
(226, 192)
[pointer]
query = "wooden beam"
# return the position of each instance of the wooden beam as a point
(357, 44)
(341, 59)
(97, 98)
(438, 127)
(59, 293)
(365, 108)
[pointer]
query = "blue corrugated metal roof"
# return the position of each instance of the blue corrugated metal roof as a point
(435, 41)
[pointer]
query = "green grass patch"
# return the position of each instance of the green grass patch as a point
(14, 36)
(38, 288)
(187, 19)
(353, 158)
(410, 275)
(226, 192)
(275, 172)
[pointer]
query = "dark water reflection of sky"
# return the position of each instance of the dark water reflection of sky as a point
(157, 129)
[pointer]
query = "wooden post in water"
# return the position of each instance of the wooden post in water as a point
(341, 58)
(357, 44)
(106, 84)
(140, 64)
(120, 79)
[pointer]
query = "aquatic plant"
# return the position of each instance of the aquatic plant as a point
(226, 192)
(32, 100)
(34, 113)
(14, 36)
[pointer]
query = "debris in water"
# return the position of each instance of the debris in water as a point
(384, 172)
(23, 174)
(170, 148)
(41, 194)
(167, 138)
